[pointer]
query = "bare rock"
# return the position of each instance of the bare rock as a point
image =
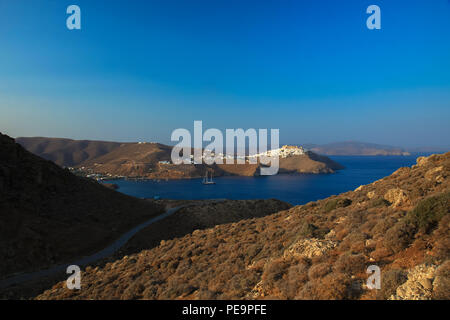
(371, 194)
(422, 161)
(257, 292)
(419, 285)
(397, 197)
(430, 174)
(330, 235)
(309, 248)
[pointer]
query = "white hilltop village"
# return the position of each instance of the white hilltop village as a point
(283, 152)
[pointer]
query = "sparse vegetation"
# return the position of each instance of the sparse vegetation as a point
(442, 282)
(337, 203)
(319, 270)
(351, 264)
(399, 236)
(334, 286)
(390, 281)
(428, 212)
(379, 202)
(309, 230)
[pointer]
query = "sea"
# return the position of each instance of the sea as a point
(295, 189)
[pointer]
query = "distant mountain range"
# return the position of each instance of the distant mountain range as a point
(67, 152)
(356, 148)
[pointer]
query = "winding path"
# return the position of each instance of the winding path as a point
(106, 252)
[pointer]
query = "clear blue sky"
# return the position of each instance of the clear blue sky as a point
(139, 69)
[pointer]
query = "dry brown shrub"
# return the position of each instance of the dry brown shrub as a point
(358, 247)
(274, 271)
(382, 226)
(341, 234)
(334, 286)
(379, 202)
(399, 236)
(296, 276)
(380, 253)
(350, 263)
(368, 226)
(319, 270)
(390, 280)
(355, 219)
(205, 294)
(351, 239)
(441, 290)
(442, 236)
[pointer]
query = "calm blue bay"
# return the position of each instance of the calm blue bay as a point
(295, 189)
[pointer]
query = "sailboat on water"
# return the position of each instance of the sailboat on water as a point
(207, 179)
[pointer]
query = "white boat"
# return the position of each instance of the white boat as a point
(207, 180)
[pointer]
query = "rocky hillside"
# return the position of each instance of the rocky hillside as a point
(199, 215)
(315, 251)
(48, 215)
(67, 152)
(308, 163)
(146, 160)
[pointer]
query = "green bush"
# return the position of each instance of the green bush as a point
(337, 203)
(399, 236)
(379, 202)
(427, 214)
(309, 230)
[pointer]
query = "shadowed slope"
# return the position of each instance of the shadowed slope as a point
(48, 215)
(67, 152)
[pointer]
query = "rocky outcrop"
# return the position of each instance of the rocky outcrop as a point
(419, 285)
(397, 197)
(436, 174)
(422, 161)
(309, 248)
(371, 194)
